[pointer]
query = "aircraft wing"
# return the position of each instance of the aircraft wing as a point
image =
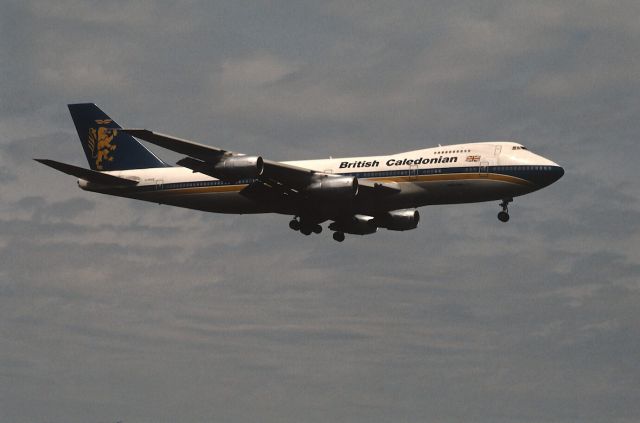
(179, 145)
(87, 174)
(287, 175)
(275, 173)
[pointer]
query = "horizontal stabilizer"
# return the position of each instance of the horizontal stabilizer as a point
(87, 174)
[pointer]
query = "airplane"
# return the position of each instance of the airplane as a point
(357, 195)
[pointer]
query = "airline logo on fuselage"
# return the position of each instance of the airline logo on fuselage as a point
(398, 162)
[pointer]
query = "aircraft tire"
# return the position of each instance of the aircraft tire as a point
(338, 236)
(503, 216)
(294, 224)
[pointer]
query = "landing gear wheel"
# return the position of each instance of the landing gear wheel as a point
(503, 216)
(317, 229)
(294, 224)
(338, 236)
(305, 231)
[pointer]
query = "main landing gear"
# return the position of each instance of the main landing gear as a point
(503, 216)
(305, 228)
(294, 224)
(338, 236)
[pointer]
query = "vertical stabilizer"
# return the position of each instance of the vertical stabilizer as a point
(105, 146)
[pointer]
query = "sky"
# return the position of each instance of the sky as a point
(117, 310)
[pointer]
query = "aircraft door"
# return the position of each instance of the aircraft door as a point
(484, 169)
(159, 184)
(413, 172)
(497, 151)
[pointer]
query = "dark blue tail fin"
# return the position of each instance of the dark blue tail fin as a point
(107, 148)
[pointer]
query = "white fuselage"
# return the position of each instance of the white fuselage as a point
(450, 174)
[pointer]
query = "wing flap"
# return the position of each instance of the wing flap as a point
(379, 187)
(286, 175)
(196, 166)
(87, 174)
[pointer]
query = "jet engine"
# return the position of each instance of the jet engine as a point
(399, 220)
(339, 187)
(357, 225)
(238, 167)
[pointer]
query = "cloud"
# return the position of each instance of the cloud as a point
(115, 309)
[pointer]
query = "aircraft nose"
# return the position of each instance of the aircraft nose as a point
(552, 174)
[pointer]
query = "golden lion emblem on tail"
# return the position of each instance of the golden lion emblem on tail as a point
(100, 145)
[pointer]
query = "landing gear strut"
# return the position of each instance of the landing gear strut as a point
(503, 216)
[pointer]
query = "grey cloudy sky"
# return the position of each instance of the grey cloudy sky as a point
(116, 310)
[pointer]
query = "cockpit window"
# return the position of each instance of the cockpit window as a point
(518, 147)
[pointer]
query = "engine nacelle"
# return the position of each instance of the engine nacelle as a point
(339, 187)
(399, 220)
(238, 167)
(357, 225)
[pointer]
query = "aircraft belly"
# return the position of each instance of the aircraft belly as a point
(418, 194)
(467, 191)
(226, 202)
(221, 202)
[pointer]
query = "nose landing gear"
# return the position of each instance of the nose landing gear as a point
(503, 216)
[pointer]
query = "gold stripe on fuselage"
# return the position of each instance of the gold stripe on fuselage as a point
(452, 177)
(200, 190)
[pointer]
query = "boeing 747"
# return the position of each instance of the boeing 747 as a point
(357, 195)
